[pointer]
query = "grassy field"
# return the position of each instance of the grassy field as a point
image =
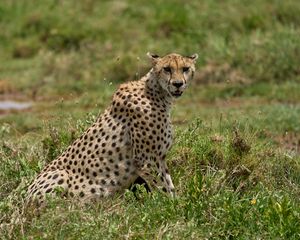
(236, 156)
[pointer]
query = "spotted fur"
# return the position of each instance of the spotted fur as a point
(129, 140)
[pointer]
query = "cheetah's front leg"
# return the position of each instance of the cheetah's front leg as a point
(156, 173)
(166, 178)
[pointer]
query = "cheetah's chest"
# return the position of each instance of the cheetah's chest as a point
(160, 135)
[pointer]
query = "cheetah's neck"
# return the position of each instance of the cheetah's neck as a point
(152, 84)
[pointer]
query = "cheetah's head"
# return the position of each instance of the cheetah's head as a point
(173, 71)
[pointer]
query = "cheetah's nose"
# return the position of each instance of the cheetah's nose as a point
(177, 83)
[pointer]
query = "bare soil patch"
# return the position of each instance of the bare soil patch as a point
(289, 141)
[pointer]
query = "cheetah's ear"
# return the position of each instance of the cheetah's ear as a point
(194, 57)
(154, 57)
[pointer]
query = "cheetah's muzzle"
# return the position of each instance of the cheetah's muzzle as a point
(177, 94)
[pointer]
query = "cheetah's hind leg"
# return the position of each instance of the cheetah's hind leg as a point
(50, 183)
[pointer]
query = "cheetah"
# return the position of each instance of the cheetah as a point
(128, 141)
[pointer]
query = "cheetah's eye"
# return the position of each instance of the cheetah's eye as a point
(167, 69)
(185, 69)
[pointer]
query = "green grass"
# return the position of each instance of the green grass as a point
(235, 160)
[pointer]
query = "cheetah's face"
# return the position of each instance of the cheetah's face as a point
(174, 71)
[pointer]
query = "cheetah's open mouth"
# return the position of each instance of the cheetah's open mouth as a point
(177, 94)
